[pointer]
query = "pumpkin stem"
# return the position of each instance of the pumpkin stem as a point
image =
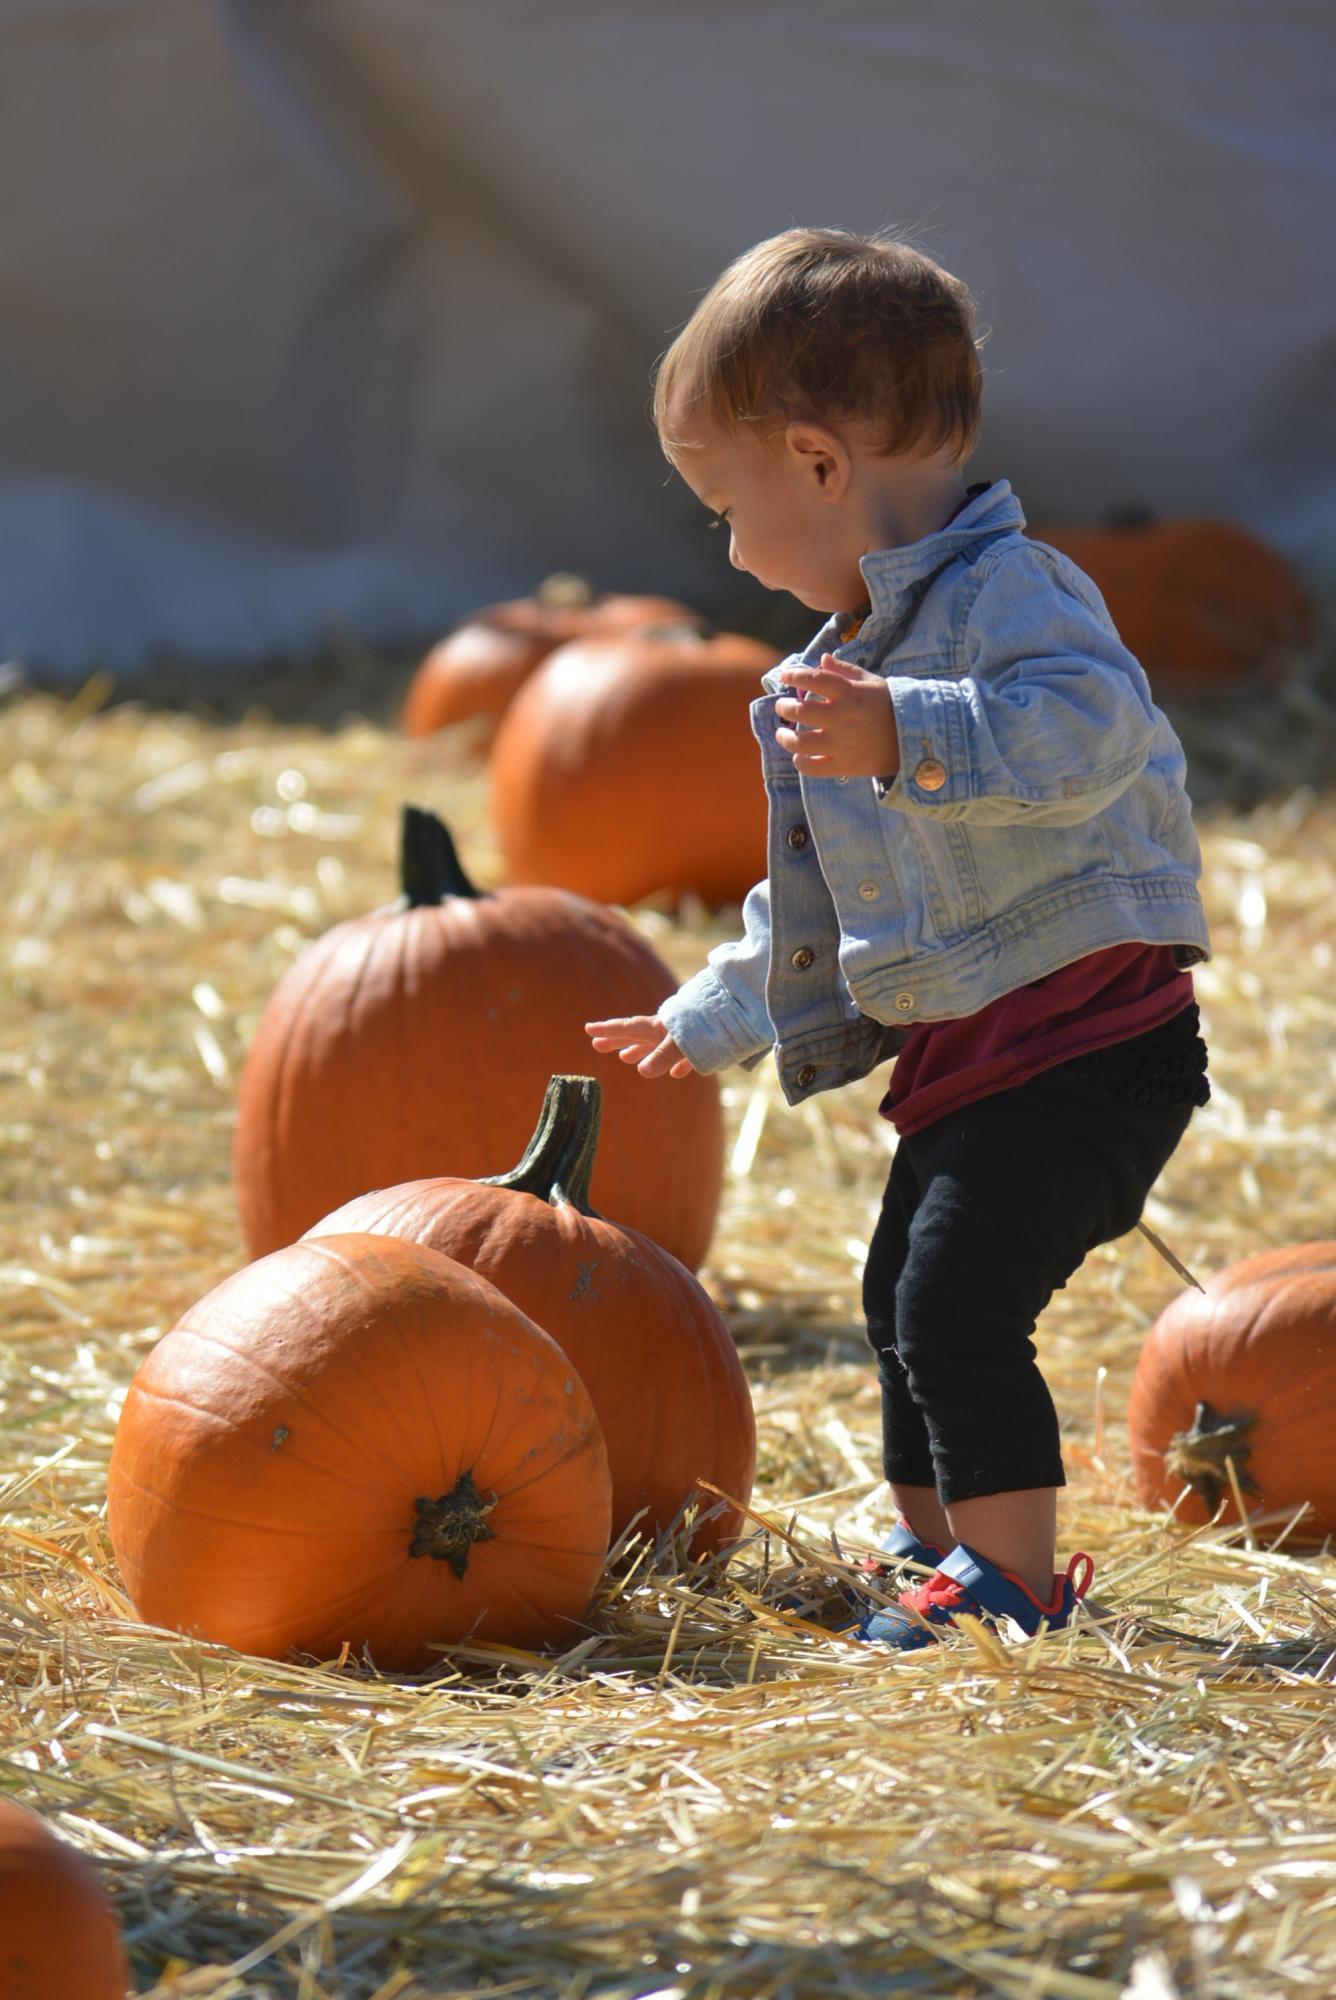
(430, 868)
(447, 1528)
(564, 591)
(558, 1161)
(1200, 1457)
(674, 631)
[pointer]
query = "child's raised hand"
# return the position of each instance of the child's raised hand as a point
(643, 1040)
(847, 722)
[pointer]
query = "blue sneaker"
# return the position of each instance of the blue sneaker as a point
(966, 1581)
(902, 1545)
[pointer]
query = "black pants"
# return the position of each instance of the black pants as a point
(987, 1213)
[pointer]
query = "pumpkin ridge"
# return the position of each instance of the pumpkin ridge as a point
(232, 1520)
(1280, 1392)
(407, 1348)
(327, 1610)
(405, 966)
(411, 1356)
(259, 1367)
(277, 1094)
(346, 1604)
(249, 1527)
(572, 1447)
(284, 1083)
(316, 1466)
(487, 1443)
(472, 1281)
(1276, 1306)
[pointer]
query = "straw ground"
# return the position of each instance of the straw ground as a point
(706, 1797)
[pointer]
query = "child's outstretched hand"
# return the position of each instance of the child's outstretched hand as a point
(847, 722)
(643, 1040)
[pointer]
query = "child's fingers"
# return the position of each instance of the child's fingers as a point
(665, 1059)
(626, 1027)
(799, 712)
(829, 681)
(630, 1050)
(805, 743)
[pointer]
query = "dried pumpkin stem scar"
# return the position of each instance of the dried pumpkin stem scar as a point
(447, 1528)
(1202, 1456)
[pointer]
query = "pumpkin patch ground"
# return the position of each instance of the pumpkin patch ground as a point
(698, 1792)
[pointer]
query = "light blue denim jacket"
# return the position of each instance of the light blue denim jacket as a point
(1038, 814)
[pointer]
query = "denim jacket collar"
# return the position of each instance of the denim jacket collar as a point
(891, 573)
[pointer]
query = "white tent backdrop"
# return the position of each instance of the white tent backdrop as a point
(330, 315)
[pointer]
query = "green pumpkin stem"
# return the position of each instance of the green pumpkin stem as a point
(558, 1161)
(430, 868)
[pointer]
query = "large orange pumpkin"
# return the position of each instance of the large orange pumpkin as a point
(58, 1937)
(626, 767)
(357, 1442)
(647, 1341)
(477, 669)
(419, 1038)
(1196, 598)
(1244, 1371)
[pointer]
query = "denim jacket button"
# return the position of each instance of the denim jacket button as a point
(802, 958)
(805, 1075)
(929, 774)
(904, 1003)
(797, 836)
(868, 891)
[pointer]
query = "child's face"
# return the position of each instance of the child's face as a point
(777, 499)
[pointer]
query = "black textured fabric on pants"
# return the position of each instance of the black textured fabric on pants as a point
(986, 1214)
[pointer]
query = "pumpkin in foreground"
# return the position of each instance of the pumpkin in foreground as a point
(475, 672)
(357, 1443)
(626, 767)
(1243, 1373)
(418, 1039)
(58, 1937)
(647, 1340)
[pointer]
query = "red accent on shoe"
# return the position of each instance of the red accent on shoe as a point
(935, 1593)
(1057, 1600)
(1086, 1573)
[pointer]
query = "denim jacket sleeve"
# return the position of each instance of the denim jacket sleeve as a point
(1051, 719)
(719, 1016)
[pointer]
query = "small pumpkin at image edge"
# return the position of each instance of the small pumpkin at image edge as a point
(1243, 1374)
(357, 1444)
(645, 1337)
(626, 767)
(59, 1939)
(476, 670)
(417, 1040)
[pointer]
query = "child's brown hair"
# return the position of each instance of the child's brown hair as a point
(822, 325)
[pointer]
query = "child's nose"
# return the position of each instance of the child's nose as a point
(733, 555)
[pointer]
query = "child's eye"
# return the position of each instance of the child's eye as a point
(720, 520)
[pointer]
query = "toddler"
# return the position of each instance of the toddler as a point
(981, 861)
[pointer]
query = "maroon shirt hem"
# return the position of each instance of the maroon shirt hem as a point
(1107, 997)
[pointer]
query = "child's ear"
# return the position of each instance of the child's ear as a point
(821, 455)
